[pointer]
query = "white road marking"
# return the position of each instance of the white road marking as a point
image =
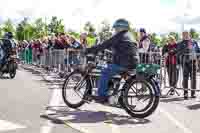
(115, 128)
(54, 101)
(47, 127)
(175, 121)
(7, 126)
(77, 127)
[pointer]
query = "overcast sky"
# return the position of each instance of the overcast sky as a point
(154, 15)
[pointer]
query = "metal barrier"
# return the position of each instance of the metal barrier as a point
(171, 75)
(56, 60)
(178, 74)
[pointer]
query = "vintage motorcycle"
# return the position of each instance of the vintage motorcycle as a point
(138, 96)
(10, 67)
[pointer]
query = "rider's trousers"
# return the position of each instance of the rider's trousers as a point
(106, 75)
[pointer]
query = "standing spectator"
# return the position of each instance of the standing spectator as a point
(72, 51)
(29, 51)
(60, 42)
(45, 52)
(58, 52)
(186, 50)
(83, 41)
(171, 63)
(37, 51)
(35, 47)
(74, 55)
(143, 37)
(144, 46)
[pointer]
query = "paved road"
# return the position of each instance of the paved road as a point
(22, 101)
(24, 98)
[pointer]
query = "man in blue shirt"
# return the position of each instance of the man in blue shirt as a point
(125, 56)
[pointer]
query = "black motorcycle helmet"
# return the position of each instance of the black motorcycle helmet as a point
(8, 35)
(121, 23)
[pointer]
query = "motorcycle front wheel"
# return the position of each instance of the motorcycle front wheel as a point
(12, 70)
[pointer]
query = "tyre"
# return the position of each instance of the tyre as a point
(12, 70)
(71, 96)
(141, 92)
(12, 74)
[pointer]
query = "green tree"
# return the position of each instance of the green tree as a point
(135, 34)
(163, 41)
(56, 25)
(8, 26)
(194, 34)
(39, 28)
(90, 29)
(25, 30)
(1, 32)
(72, 32)
(105, 32)
(175, 34)
(153, 38)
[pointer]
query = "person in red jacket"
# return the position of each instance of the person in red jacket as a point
(171, 63)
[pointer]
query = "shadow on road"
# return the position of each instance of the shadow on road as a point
(194, 107)
(4, 77)
(35, 72)
(175, 99)
(86, 116)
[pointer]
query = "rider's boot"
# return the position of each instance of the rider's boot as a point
(185, 95)
(101, 99)
(193, 94)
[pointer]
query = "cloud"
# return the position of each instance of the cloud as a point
(150, 14)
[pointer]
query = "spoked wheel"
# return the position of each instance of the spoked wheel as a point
(12, 70)
(139, 99)
(74, 89)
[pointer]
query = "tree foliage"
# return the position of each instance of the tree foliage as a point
(25, 30)
(39, 28)
(105, 32)
(56, 25)
(175, 34)
(89, 28)
(1, 32)
(8, 26)
(155, 39)
(163, 41)
(194, 34)
(135, 34)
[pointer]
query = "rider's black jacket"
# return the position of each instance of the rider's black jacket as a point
(125, 52)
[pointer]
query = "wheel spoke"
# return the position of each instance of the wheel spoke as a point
(74, 90)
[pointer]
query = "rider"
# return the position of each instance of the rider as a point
(7, 46)
(125, 56)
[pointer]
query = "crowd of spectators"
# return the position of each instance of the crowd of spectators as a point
(52, 52)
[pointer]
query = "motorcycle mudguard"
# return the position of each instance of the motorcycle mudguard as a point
(12, 67)
(156, 86)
